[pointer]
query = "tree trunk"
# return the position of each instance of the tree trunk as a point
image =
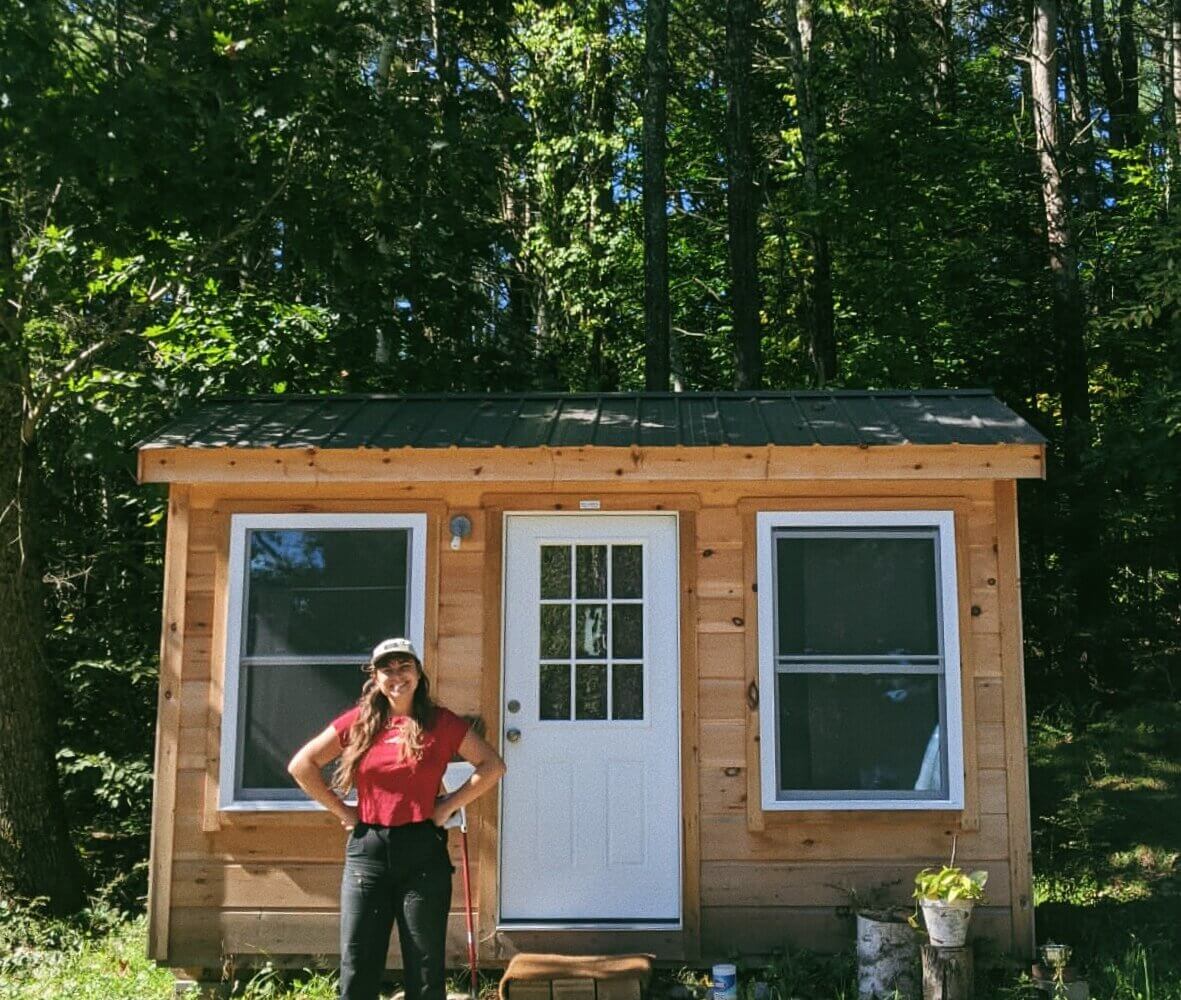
(37, 857)
(656, 298)
(600, 84)
(945, 72)
(1068, 307)
(1078, 85)
(1068, 317)
(1129, 70)
(1171, 64)
(1112, 52)
(742, 209)
(1175, 64)
(817, 292)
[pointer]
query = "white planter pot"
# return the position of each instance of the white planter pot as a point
(947, 921)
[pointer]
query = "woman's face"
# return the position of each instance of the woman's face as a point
(397, 677)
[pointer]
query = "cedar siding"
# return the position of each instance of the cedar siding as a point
(259, 883)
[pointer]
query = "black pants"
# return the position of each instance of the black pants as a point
(394, 874)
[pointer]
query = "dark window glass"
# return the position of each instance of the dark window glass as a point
(555, 571)
(555, 631)
(283, 707)
(591, 691)
(592, 571)
(553, 698)
(325, 593)
(627, 631)
(627, 571)
(627, 691)
(856, 596)
(860, 732)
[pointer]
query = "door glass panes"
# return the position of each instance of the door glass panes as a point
(592, 570)
(627, 690)
(555, 631)
(590, 617)
(627, 631)
(590, 631)
(627, 570)
(591, 691)
(554, 693)
(555, 571)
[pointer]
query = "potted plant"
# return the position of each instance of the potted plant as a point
(947, 896)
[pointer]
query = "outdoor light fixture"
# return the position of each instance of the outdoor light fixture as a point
(461, 527)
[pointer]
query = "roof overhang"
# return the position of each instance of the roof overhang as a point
(591, 463)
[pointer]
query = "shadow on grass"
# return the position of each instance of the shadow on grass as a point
(1106, 799)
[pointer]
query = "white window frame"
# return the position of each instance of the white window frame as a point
(240, 524)
(947, 609)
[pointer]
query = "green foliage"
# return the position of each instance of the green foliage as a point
(949, 883)
(369, 196)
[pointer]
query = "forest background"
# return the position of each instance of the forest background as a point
(406, 195)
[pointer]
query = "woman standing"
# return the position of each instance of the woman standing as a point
(394, 747)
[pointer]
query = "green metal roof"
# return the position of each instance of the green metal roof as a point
(564, 420)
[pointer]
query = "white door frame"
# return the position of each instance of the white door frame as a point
(560, 926)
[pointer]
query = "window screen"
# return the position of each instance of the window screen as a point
(860, 699)
(316, 601)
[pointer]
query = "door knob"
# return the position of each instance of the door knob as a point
(513, 735)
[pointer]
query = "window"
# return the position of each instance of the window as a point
(310, 595)
(859, 661)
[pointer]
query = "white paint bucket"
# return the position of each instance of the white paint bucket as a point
(725, 981)
(947, 921)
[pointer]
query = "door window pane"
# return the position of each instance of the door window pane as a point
(627, 691)
(856, 596)
(555, 571)
(590, 638)
(326, 593)
(283, 707)
(592, 571)
(860, 732)
(553, 697)
(627, 571)
(591, 691)
(627, 631)
(555, 631)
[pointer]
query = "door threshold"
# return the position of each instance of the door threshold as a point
(583, 925)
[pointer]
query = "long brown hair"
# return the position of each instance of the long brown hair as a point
(373, 719)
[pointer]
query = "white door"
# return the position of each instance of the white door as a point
(591, 805)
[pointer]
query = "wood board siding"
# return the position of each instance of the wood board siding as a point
(268, 882)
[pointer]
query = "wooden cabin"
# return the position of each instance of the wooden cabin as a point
(743, 653)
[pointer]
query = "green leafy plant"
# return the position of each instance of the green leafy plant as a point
(949, 883)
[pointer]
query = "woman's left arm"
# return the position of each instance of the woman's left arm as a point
(490, 768)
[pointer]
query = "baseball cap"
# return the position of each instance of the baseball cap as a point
(388, 647)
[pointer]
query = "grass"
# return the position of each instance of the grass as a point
(1106, 799)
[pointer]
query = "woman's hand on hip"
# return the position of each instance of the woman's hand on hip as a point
(347, 816)
(444, 810)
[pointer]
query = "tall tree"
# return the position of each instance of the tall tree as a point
(37, 857)
(657, 316)
(817, 304)
(741, 200)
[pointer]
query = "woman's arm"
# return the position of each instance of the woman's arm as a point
(305, 768)
(490, 769)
